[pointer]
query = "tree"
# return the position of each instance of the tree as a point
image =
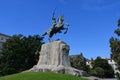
(99, 72)
(118, 62)
(102, 69)
(117, 31)
(115, 46)
(78, 62)
(119, 22)
(18, 53)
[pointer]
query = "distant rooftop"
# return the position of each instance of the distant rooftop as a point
(4, 35)
(74, 55)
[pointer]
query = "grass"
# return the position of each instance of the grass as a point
(41, 76)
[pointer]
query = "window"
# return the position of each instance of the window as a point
(0, 43)
(2, 38)
(110, 60)
(116, 68)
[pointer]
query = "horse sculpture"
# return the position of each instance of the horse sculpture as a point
(57, 27)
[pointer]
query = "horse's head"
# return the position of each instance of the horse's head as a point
(61, 18)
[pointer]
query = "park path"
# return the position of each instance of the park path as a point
(96, 78)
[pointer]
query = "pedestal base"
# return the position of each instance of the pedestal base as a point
(54, 57)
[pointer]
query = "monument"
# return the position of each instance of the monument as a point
(54, 56)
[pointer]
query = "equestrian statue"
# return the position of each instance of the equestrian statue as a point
(57, 27)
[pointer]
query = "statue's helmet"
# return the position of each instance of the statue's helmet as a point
(61, 17)
(53, 18)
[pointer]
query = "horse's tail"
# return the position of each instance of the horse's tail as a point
(44, 34)
(66, 31)
(66, 28)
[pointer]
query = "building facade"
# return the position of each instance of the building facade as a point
(114, 65)
(110, 62)
(3, 39)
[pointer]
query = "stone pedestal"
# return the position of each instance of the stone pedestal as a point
(54, 53)
(54, 57)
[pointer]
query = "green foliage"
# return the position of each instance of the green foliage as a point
(115, 46)
(118, 62)
(99, 72)
(117, 31)
(87, 68)
(118, 75)
(41, 76)
(119, 22)
(102, 69)
(115, 43)
(99, 62)
(18, 53)
(78, 62)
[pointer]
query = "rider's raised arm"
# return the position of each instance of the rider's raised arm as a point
(53, 16)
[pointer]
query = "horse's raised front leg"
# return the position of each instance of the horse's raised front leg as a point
(50, 37)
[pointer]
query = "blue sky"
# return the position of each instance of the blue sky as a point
(92, 22)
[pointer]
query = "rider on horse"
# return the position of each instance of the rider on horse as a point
(57, 27)
(53, 23)
(56, 24)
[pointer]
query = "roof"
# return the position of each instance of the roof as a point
(101, 58)
(4, 35)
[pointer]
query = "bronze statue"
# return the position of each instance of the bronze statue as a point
(57, 26)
